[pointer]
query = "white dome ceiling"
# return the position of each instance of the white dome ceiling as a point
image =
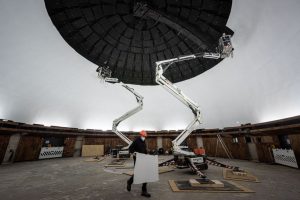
(43, 80)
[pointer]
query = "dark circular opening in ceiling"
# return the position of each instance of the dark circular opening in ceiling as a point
(108, 31)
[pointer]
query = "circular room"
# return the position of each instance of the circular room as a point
(149, 99)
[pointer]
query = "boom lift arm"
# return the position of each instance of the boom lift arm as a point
(128, 114)
(104, 74)
(143, 10)
(224, 50)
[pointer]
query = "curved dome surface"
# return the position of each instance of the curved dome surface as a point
(109, 32)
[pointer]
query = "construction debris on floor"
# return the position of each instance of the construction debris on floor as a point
(205, 183)
(95, 159)
(230, 174)
(75, 179)
(210, 186)
(161, 170)
(116, 163)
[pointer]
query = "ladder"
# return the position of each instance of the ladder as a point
(227, 151)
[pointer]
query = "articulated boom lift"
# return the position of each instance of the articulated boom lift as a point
(104, 73)
(185, 158)
(182, 156)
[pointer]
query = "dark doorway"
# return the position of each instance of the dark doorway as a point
(284, 142)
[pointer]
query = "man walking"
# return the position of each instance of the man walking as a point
(138, 145)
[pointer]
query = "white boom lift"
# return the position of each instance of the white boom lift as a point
(104, 73)
(183, 156)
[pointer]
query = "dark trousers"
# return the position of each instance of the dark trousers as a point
(130, 181)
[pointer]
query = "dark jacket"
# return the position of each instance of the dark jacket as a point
(138, 145)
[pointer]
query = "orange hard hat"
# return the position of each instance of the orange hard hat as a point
(143, 133)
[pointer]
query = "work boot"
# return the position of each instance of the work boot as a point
(128, 187)
(146, 194)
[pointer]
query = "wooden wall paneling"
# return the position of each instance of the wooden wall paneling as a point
(29, 148)
(275, 141)
(167, 143)
(108, 142)
(264, 145)
(264, 152)
(192, 142)
(239, 150)
(151, 143)
(229, 144)
(93, 141)
(209, 144)
(4, 140)
(267, 139)
(132, 137)
(69, 144)
(211, 147)
(112, 143)
(295, 143)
